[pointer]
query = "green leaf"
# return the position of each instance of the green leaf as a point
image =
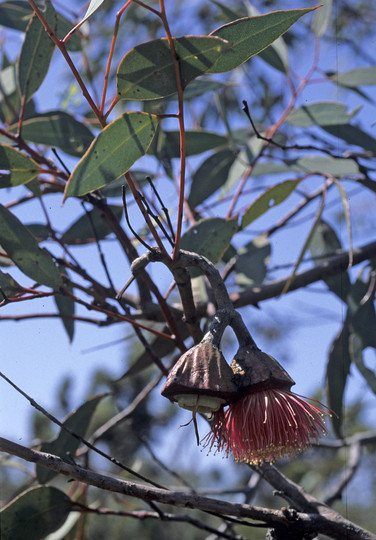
(355, 77)
(210, 176)
(8, 285)
(276, 54)
(21, 169)
(90, 227)
(115, 189)
(36, 53)
(336, 167)
(337, 371)
(251, 35)
(147, 71)
(356, 353)
(34, 514)
(196, 142)
(22, 247)
(322, 18)
(15, 14)
(251, 262)
(323, 113)
(57, 128)
(353, 135)
(65, 445)
(112, 153)
(361, 310)
(270, 198)
(93, 6)
(66, 307)
(209, 237)
(326, 242)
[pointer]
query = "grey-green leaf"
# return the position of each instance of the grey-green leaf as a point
(251, 262)
(113, 152)
(34, 514)
(355, 77)
(65, 445)
(90, 227)
(322, 18)
(250, 35)
(57, 128)
(147, 71)
(325, 244)
(20, 168)
(353, 135)
(210, 176)
(323, 113)
(337, 371)
(8, 285)
(270, 198)
(36, 53)
(22, 247)
(209, 237)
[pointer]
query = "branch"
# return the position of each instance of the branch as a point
(332, 524)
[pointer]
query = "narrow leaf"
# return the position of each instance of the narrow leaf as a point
(251, 262)
(90, 227)
(57, 128)
(337, 371)
(39, 511)
(323, 113)
(147, 71)
(356, 354)
(210, 176)
(355, 77)
(209, 237)
(353, 135)
(93, 6)
(251, 35)
(305, 245)
(15, 15)
(325, 242)
(8, 285)
(196, 142)
(66, 307)
(270, 198)
(322, 18)
(19, 168)
(65, 445)
(22, 247)
(113, 152)
(36, 53)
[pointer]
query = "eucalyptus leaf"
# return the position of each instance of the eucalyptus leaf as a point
(20, 168)
(322, 18)
(353, 135)
(323, 113)
(337, 372)
(270, 198)
(65, 445)
(8, 285)
(355, 77)
(36, 53)
(22, 247)
(90, 227)
(57, 128)
(112, 153)
(250, 35)
(210, 176)
(209, 237)
(251, 262)
(148, 71)
(39, 511)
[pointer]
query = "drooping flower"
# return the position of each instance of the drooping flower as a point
(268, 421)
